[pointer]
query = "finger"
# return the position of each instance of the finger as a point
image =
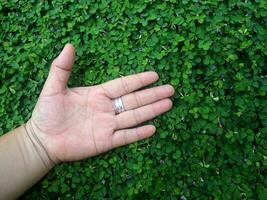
(127, 84)
(136, 116)
(147, 96)
(60, 71)
(127, 136)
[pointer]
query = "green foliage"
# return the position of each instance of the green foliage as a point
(211, 145)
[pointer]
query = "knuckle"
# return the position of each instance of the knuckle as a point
(136, 116)
(137, 134)
(137, 99)
(125, 137)
(125, 85)
(154, 110)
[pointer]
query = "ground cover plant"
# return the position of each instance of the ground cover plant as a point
(211, 145)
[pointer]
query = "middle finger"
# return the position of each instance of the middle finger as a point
(147, 96)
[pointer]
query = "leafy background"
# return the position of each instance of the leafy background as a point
(211, 145)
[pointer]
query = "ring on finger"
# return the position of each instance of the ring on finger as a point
(119, 107)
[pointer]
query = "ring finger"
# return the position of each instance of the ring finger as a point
(139, 115)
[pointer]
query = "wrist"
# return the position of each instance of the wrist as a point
(38, 142)
(24, 161)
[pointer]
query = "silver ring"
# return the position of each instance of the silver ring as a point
(118, 105)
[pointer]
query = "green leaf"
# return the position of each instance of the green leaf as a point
(262, 192)
(205, 45)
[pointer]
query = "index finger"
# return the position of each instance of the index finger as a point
(127, 84)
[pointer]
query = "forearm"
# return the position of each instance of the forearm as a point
(23, 161)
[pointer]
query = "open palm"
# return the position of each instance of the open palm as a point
(77, 123)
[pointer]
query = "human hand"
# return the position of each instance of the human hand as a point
(77, 123)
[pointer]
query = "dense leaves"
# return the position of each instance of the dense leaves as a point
(211, 145)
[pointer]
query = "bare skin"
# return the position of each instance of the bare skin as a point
(77, 123)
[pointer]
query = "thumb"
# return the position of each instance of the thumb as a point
(60, 71)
